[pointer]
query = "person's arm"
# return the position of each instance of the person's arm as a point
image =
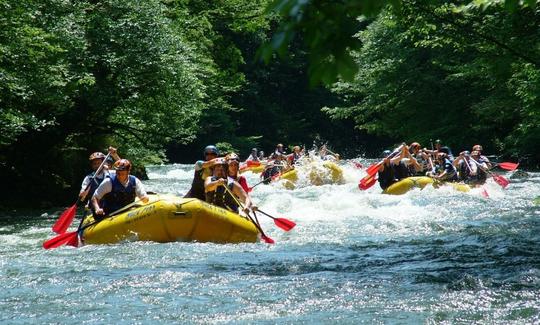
(140, 191)
(458, 160)
(104, 188)
(415, 164)
(382, 166)
(114, 154)
(244, 197)
(210, 185)
(211, 162)
(84, 187)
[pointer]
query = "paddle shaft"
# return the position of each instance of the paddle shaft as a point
(93, 178)
(247, 213)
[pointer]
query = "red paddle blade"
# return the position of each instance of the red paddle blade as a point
(73, 241)
(371, 170)
(366, 183)
(267, 239)
(60, 240)
(65, 220)
(284, 224)
(251, 163)
(358, 165)
(501, 180)
(508, 166)
(484, 193)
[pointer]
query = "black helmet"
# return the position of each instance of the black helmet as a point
(211, 149)
(386, 153)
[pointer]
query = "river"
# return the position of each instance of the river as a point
(431, 256)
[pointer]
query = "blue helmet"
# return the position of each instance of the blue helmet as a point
(211, 149)
(386, 153)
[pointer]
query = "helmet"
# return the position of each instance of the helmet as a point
(232, 156)
(254, 150)
(122, 164)
(386, 153)
(211, 149)
(438, 141)
(220, 161)
(415, 145)
(97, 155)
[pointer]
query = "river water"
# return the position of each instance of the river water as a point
(431, 256)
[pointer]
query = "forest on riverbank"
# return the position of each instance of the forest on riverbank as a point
(160, 79)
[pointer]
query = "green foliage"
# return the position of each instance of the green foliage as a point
(435, 72)
(78, 76)
(328, 29)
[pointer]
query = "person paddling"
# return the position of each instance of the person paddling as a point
(233, 163)
(481, 158)
(202, 171)
(295, 156)
(91, 182)
(216, 193)
(118, 190)
(446, 171)
(253, 156)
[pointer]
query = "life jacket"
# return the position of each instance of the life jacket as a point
(386, 177)
(451, 172)
(400, 171)
(197, 185)
(221, 198)
(119, 196)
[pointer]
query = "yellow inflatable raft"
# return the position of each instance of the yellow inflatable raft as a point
(406, 184)
(168, 218)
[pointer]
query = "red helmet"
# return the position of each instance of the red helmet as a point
(97, 155)
(122, 164)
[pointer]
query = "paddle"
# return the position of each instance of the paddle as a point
(264, 180)
(501, 180)
(333, 154)
(369, 180)
(266, 239)
(508, 166)
(71, 238)
(367, 183)
(65, 220)
(282, 223)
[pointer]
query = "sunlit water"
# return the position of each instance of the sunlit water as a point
(431, 256)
